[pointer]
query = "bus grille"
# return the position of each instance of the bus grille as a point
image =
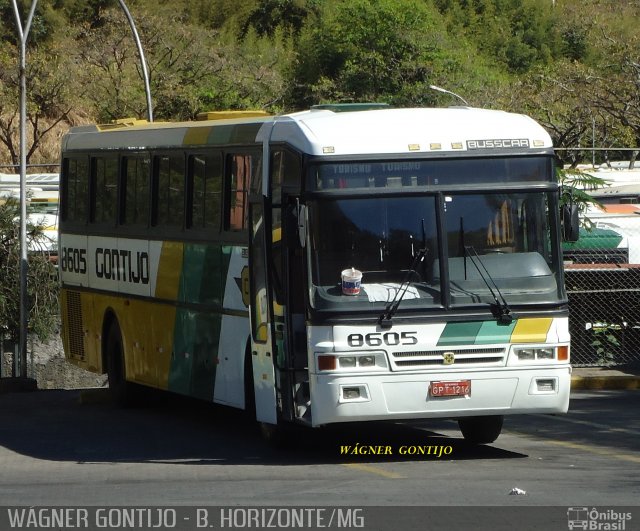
(75, 326)
(493, 356)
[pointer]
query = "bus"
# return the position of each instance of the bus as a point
(42, 207)
(209, 259)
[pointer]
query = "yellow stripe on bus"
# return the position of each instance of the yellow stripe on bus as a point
(196, 135)
(169, 270)
(531, 330)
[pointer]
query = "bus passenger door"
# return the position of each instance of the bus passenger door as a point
(260, 308)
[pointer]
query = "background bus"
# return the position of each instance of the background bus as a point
(207, 260)
(42, 206)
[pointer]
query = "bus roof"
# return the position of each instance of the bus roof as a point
(47, 181)
(329, 133)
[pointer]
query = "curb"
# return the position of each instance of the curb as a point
(18, 385)
(605, 382)
(96, 395)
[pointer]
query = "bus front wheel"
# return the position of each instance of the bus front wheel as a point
(481, 430)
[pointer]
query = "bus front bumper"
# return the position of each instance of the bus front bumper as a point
(347, 398)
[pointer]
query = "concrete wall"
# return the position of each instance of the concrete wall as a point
(46, 363)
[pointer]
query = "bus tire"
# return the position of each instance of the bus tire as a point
(481, 430)
(121, 391)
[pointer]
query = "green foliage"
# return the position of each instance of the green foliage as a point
(370, 50)
(576, 185)
(43, 24)
(191, 68)
(270, 15)
(575, 43)
(42, 285)
(85, 11)
(518, 34)
(571, 64)
(605, 342)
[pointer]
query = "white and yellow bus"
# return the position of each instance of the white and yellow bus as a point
(205, 258)
(42, 206)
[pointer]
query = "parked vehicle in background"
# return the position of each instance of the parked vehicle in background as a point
(42, 205)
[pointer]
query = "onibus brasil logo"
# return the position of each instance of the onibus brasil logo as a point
(597, 519)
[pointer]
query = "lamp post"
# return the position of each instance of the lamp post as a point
(20, 361)
(445, 91)
(143, 61)
(19, 368)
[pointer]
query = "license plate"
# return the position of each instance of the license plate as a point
(459, 388)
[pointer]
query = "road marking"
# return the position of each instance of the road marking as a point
(374, 470)
(592, 424)
(584, 447)
(596, 450)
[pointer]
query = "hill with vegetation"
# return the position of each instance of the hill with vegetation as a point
(574, 65)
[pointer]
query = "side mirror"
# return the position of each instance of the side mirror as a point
(570, 223)
(301, 216)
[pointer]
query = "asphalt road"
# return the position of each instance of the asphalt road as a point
(58, 450)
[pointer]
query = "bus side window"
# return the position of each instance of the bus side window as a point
(238, 176)
(285, 175)
(205, 190)
(168, 195)
(136, 185)
(104, 180)
(285, 179)
(75, 189)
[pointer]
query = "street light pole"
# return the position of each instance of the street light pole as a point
(20, 361)
(143, 61)
(445, 91)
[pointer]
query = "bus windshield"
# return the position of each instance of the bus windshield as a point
(484, 239)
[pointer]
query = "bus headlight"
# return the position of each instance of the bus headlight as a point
(525, 354)
(366, 361)
(346, 362)
(546, 354)
(371, 361)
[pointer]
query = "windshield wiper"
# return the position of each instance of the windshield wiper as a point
(386, 319)
(499, 308)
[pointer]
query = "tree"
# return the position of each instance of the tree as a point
(616, 91)
(363, 50)
(554, 97)
(42, 286)
(48, 99)
(518, 35)
(288, 15)
(191, 69)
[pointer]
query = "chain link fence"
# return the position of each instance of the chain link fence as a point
(602, 269)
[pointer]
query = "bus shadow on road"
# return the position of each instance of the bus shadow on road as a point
(58, 425)
(389, 441)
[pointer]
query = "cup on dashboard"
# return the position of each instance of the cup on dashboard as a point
(351, 279)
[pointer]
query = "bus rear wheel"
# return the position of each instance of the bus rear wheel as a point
(481, 430)
(121, 391)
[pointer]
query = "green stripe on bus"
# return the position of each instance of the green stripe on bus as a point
(204, 274)
(476, 333)
(195, 353)
(196, 334)
(459, 333)
(493, 332)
